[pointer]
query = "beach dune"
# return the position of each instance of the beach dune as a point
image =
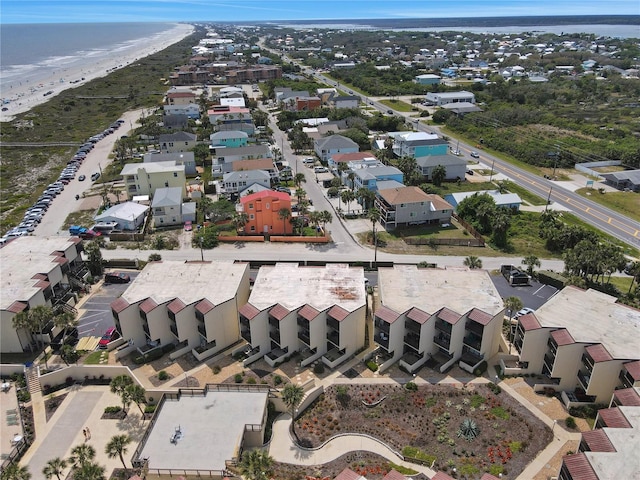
(25, 96)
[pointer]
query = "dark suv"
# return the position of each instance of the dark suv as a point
(116, 278)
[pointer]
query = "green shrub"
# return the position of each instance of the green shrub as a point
(169, 347)
(411, 386)
(481, 369)
(215, 369)
(112, 409)
(162, 375)
(138, 360)
(237, 378)
(318, 368)
(515, 446)
(496, 389)
(477, 400)
(570, 422)
(496, 469)
(417, 454)
(500, 412)
(150, 408)
(373, 366)
(251, 381)
(277, 380)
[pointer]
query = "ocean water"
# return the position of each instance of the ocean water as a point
(28, 52)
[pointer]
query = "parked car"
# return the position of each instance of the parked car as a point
(81, 178)
(116, 278)
(524, 311)
(89, 234)
(188, 226)
(95, 176)
(109, 336)
(284, 190)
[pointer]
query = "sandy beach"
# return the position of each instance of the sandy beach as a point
(25, 96)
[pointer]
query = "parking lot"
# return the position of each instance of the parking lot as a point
(533, 296)
(96, 314)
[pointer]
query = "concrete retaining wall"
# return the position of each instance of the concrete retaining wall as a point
(587, 167)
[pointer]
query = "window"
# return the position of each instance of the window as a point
(251, 206)
(267, 206)
(252, 216)
(175, 174)
(166, 184)
(253, 228)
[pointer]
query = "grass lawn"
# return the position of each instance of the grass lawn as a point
(397, 105)
(623, 283)
(525, 194)
(94, 357)
(627, 203)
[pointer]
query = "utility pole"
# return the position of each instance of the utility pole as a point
(491, 174)
(548, 199)
(555, 161)
(201, 252)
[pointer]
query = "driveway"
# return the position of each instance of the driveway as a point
(96, 315)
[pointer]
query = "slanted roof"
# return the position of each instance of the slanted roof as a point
(167, 197)
(628, 397)
(441, 476)
(248, 311)
(418, 315)
(148, 305)
(338, 313)
(444, 160)
(228, 134)
(597, 441)
(176, 306)
(394, 475)
(397, 196)
(613, 418)
(119, 304)
(348, 474)
(204, 306)
(579, 467)
(126, 211)
(386, 314)
(598, 353)
(478, 316)
(562, 337)
(308, 312)
(448, 316)
(17, 307)
(352, 157)
(336, 141)
(634, 369)
(279, 312)
(177, 137)
(253, 164)
(529, 322)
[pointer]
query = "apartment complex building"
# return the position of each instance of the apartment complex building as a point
(36, 271)
(193, 305)
(581, 340)
(319, 311)
(447, 315)
(263, 210)
(145, 178)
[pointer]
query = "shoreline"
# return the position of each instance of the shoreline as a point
(25, 96)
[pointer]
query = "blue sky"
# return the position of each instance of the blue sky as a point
(72, 11)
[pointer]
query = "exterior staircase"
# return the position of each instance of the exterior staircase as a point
(33, 382)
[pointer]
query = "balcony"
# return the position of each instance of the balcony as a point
(412, 326)
(443, 326)
(274, 335)
(204, 351)
(517, 343)
(474, 327)
(553, 346)
(443, 341)
(584, 379)
(145, 327)
(304, 337)
(382, 326)
(303, 322)
(382, 339)
(549, 361)
(333, 336)
(412, 340)
(333, 324)
(246, 335)
(473, 342)
(174, 329)
(202, 330)
(587, 361)
(626, 379)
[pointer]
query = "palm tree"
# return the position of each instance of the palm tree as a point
(34, 320)
(55, 467)
(117, 447)
(374, 215)
(284, 214)
(299, 179)
(256, 465)
(634, 271)
(513, 304)
(292, 395)
(531, 261)
(314, 219)
(365, 197)
(240, 220)
(137, 395)
(301, 194)
(119, 385)
(438, 174)
(89, 471)
(347, 197)
(67, 321)
(472, 262)
(15, 472)
(81, 455)
(325, 217)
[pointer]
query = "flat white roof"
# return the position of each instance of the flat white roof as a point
(405, 286)
(594, 317)
(293, 286)
(212, 428)
(21, 259)
(218, 282)
(151, 167)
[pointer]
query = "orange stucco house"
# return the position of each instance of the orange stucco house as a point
(262, 213)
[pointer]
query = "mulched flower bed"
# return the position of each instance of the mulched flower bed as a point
(429, 419)
(52, 404)
(373, 466)
(121, 415)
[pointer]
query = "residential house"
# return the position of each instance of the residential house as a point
(329, 146)
(253, 188)
(410, 206)
(369, 177)
(225, 117)
(263, 213)
(37, 271)
(331, 128)
(505, 200)
(418, 144)
(126, 216)
(180, 97)
(351, 101)
(609, 451)
(455, 167)
(428, 79)
(223, 157)
(235, 182)
(177, 142)
(443, 98)
(582, 357)
(169, 209)
(175, 121)
(229, 139)
(448, 315)
(264, 164)
(318, 311)
(144, 178)
(173, 302)
(190, 110)
(255, 73)
(335, 160)
(180, 158)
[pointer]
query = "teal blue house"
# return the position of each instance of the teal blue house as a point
(229, 139)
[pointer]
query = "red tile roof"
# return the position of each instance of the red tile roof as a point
(338, 313)
(248, 311)
(529, 322)
(579, 467)
(119, 304)
(41, 284)
(17, 307)
(448, 316)
(175, 306)
(634, 369)
(386, 314)
(61, 260)
(308, 312)
(614, 418)
(478, 316)
(598, 353)
(148, 305)
(205, 306)
(418, 315)
(394, 475)
(347, 474)
(279, 312)
(441, 476)
(627, 397)
(39, 276)
(562, 337)
(598, 441)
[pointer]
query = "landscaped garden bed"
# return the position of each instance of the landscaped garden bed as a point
(472, 429)
(52, 403)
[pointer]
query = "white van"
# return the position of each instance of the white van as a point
(320, 169)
